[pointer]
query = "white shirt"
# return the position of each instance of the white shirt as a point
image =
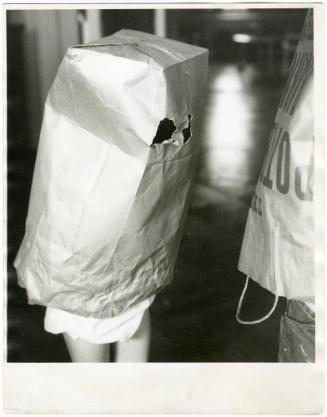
(94, 330)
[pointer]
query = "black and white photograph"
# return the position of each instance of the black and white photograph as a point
(161, 189)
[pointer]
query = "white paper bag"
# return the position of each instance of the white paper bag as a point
(106, 207)
(278, 245)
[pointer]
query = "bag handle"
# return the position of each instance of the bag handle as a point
(240, 302)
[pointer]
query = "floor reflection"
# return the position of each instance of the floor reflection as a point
(198, 309)
(228, 129)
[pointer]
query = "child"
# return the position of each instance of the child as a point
(88, 339)
(108, 201)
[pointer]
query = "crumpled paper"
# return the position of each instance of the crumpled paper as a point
(278, 244)
(106, 208)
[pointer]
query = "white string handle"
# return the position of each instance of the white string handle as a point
(240, 306)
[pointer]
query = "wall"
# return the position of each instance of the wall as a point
(47, 35)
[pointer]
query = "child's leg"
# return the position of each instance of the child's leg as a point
(82, 351)
(136, 349)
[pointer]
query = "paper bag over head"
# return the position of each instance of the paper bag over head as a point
(278, 243)
(107, 205)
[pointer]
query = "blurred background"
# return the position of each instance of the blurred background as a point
(193, 320)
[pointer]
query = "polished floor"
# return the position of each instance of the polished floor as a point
(193, 320)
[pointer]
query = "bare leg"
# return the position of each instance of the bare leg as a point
(83, 351)
(136, 349)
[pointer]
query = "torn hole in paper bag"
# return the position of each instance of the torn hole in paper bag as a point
(187, 130)
(168, 133)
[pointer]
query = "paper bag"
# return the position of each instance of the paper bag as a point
(278, 245)
(107, 205)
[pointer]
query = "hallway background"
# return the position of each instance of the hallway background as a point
(193, 320)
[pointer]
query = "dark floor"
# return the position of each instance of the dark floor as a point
(193, 320)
